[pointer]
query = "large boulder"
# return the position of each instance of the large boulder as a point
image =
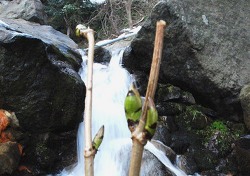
(245, 103)
(206, 50)
(39, 79)
(30, 10)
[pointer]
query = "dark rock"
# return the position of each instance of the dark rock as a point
(102, 55)
(174, 94)
(228, 165)
(187, 98)
(141, 82)
(187, 164)
(169, 123)
(49, 152)
(203, 53)
(162, 134)
(57, 42)
(66, 149)
(30, 10)
(152, 166)
(169, 108)
(192, 118)
(242, 147)
(38, 82)
(181, 141)
(245, 103)
(168, 93)
(9, 157)
(212, 173)
(205, 159)
(126, 60)
(206, 111)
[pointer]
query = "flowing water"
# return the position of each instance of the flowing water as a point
(110, 85)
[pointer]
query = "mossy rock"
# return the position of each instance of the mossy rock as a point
(168, 92)
(170, 108)
(218, 137)
(193, 119)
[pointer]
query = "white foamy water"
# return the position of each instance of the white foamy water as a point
(110, 86)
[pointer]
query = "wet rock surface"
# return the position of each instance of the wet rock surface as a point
(204, 52)
(152, 166)
(206, 60)
(204, 142)
(39, 81)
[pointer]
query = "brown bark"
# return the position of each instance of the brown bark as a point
(138, 136)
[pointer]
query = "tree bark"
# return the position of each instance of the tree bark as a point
(129, 13)
(138, 136)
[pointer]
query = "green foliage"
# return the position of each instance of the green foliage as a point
(66, 14)
(107, 19)
(220, 126)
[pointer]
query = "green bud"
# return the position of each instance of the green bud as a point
(152, 118)
(80, 28)
(133, 107)
(98, 138)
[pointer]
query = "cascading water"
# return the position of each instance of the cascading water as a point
(110, 86)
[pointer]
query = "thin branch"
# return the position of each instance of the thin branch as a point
(138, 136)
(89, 152)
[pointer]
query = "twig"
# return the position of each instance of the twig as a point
(138, 137)
(141, 20)
(89, 152)
(113, 40)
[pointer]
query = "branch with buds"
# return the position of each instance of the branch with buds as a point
(144, 117)
(90, 147)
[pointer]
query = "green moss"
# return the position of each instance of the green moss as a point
(170, 88)
(218, 137)
(192, 111)
(164, 89)
(194, 118)
(220, 126)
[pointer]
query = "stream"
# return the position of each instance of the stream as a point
(110, 86)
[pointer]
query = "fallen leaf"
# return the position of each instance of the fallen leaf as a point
(4, 121)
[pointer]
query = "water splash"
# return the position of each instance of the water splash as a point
(110, 86)
(161, 156)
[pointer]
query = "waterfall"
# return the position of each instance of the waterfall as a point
(110, 86)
